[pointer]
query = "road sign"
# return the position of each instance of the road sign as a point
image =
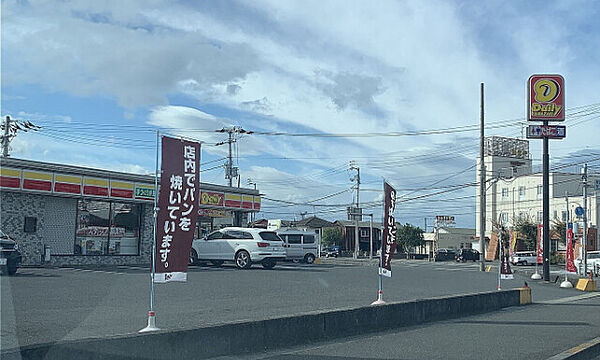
(546, 98)
(549, 131)
(579, 211)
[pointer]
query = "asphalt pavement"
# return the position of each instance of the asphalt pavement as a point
(49, 304)
(536, 331)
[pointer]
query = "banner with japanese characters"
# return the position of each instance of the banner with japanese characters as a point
(505, 270)
(177, 208)
(389, 230)
(569, 256)
(540, 244)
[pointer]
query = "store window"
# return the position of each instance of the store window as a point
(105, 228)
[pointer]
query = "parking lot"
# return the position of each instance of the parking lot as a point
(50, 304)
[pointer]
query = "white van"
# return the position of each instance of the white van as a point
(300, 245)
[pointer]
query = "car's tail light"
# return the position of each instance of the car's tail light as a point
(262, 244)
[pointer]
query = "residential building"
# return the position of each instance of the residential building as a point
(514, 192)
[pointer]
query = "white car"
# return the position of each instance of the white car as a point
(593, 262)
(243, 246)
(524, 258)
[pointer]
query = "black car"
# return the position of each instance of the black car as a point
(467, 254)
(10, 257)
(445, 255)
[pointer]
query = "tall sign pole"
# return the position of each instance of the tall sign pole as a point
(481, 189)
(546, 102)
(546, 209)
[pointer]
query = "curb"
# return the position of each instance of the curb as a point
(270, 334)
(587, 350)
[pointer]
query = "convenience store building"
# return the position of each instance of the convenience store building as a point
(66, 215)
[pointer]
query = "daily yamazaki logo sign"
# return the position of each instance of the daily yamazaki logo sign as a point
(546, 98)
(210, 198)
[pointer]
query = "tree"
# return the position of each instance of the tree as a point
(527, 232)
(408, 236)
(332, 236)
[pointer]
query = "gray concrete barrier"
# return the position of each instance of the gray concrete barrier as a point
(255, 336)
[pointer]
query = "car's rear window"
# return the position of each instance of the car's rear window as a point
(269, 236)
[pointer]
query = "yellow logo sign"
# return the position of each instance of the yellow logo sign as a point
(211, 199)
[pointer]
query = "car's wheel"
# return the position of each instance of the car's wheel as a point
(269, 263)
(242, 259)
(309, 258)
(193, 257)
(11, 268)
(216, 263)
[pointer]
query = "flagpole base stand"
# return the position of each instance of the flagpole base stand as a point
(536, 276)
(151, 323)
(566, 284)
(499, 288)
(379, 300)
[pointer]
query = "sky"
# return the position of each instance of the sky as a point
(100, 77)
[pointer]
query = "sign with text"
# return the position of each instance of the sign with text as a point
(546, 98)
(389, 230)
(505, 270)
(177, 208)
(569, 256)
(540, 244)
(549, 131)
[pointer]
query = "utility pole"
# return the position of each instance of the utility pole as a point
(6, 138)
(230, 160)
(230, 170)
(357, 213)
(481, 187)
(584, 242)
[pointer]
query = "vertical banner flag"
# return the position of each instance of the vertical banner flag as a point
(505, 270)
(389, 230)
(569, 255)
(540, 244)
(513, 242)
(177, 210)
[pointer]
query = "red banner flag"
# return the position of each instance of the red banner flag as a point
(540, 244)
(178, 208)
(389, 230)
(569, 255)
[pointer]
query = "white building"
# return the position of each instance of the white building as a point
(514, 192)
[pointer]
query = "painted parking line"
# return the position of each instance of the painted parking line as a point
(570, 299)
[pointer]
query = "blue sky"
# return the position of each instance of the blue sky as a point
(100, 76)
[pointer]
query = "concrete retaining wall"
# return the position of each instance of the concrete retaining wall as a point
(255, 336)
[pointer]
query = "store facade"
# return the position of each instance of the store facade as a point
(67, 215)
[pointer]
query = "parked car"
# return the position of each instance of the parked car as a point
(10, 257)
(593, 262)
(523, 258)
(467, 254)
(333, 251)
(299, 245)
(445, 255)
(243, 246)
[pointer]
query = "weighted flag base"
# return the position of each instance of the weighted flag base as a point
(379, 300)
(536, 276)
(566, 284)
(151, 323)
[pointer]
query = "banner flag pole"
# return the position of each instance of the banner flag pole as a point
(151, 314)
(379, 300)
(500, 256)
(537, 275)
